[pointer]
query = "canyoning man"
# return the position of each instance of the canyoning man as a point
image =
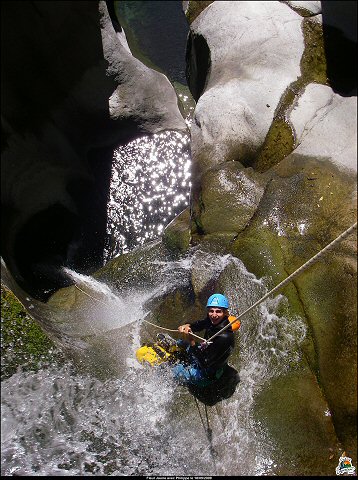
(206, 362)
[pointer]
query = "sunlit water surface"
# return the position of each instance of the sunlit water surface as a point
(150, 185)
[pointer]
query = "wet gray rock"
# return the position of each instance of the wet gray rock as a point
(266, 103)
(143, 95)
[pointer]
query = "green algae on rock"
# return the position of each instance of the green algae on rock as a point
(176, 235)
(195, 8)
(280, 140)
(293, 407)
(229, 184)
(23, 343)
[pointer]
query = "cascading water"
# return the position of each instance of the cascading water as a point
(64, 420)
(59, 421)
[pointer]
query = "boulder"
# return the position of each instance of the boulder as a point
(230, 184)
(244, 83)
(143, 95)
(177, 235)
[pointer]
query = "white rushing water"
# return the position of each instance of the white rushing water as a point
(59, 421)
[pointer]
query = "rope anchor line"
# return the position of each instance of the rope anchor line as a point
(88, 295)
(299, 270)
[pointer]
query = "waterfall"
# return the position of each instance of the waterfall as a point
(62, 421)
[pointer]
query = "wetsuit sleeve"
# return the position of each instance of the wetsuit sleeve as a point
(199, 325)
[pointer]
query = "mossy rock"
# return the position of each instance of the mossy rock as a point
(313, 61)
(68, 299)
(307, 204)
(195, 8)
(313, 194)
(281, 140)
(173, 309)
(230, 195)
(218, 242)
(293, 412)
(136, 268)
(329, 294)
(279, 143)
(23, 342)
(261, 252)
(176, 235)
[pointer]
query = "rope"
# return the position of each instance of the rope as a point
(154, 325)
(88, 295)
(289, 278)
(279, 286)
(208, 430)
(170, 330)
(201, 418)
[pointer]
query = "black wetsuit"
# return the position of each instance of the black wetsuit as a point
(213, 357)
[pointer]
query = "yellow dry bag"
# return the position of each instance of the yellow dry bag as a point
(155, 354)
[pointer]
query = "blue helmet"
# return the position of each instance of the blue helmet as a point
(218, 300)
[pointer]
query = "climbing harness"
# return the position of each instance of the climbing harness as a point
(290, 277)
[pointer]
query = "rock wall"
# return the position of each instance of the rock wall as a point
(274, 159)
(71, 93)
(274, 181)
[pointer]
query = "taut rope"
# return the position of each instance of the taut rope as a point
(290, 277)
(208, 430)
(170, 330)
(280, 285)
(146, 321)
(88, 295)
